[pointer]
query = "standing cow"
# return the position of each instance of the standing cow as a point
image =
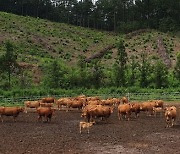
(170, 115)
(10, 111)
(124, 110)
(46, 112)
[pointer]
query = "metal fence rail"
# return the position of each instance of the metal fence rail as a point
(174, 96)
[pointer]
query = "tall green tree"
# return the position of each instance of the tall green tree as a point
(97, 74)
(144, 71)
(84, 74)
(160, 74)
(54, 75)
(177, 67)
(133, 66)
(8, 61)
(121, 64)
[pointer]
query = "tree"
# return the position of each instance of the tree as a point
(133, 71)
(120, 64)
(160, 74)
(55, 75)
(144, 71)
(84, 75)
(8, 61)
(97, 73)
(177, 68)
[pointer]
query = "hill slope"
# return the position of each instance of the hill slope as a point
(39, 41)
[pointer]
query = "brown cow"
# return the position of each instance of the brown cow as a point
(95, 111)
(147, 107)
(159, 103)
(95, 98)
(116, 101)
(84, 125)
(108, 102)
(76, 104)
(94, 102)
(170, 115)
(48, 100)
(124, 100)
(157, 110)
(10, 111)
(82, 98)
(31, 104)
(136, 109)
(63, 102)
(124, 110)
(46, 112)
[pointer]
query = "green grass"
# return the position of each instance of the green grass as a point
(42, 39)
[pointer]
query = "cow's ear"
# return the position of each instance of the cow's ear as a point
(165, 108)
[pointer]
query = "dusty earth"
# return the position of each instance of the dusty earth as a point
(143, 135)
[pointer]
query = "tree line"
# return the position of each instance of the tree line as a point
(125, 72)
(112, 15)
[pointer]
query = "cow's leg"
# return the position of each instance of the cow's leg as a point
(39, 118)
(67, 109)
(46, 118)
(128, 116)
(119, 117)
(25, 109)
(50, 116)
(172, 122)
(80, 129)
(14, 118)
(1, 118)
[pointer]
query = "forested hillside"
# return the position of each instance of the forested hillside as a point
(37, 53)
(112, 15)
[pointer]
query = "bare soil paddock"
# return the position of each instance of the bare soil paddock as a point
(143, 135)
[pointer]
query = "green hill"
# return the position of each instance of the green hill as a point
(38, 41)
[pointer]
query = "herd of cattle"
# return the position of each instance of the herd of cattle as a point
(93, 108)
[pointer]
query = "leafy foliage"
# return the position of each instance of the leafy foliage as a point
(111, 15)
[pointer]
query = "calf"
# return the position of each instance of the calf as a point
(85, 125)
(10, 111)
(170, 115)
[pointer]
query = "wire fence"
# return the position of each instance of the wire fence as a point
(174, 96)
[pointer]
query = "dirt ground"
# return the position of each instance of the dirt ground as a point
(147, 134)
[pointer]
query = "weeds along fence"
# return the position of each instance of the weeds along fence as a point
(174, 96)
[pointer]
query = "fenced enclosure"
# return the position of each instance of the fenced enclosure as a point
(174, 96)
